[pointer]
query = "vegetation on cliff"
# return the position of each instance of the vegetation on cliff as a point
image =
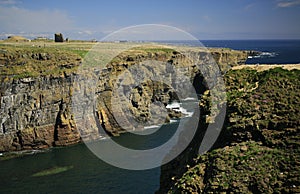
(258, 150)
(22, 62)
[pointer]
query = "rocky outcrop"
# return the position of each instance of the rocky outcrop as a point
(37, 110)
(258, 148)
(35, 113)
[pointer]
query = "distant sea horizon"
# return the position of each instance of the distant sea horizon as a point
(285, 51)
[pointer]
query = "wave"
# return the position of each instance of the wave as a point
(177, 107)
(151, 126)
(104, 138)
(263, 55)
(185, 112)
(174, 105)
(189, 99)
(174, 120)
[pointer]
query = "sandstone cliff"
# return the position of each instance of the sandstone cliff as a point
(37, 86)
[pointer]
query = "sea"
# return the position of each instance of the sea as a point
(272, 51)
(75, 169)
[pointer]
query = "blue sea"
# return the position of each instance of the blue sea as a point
(272, 51)
(85, 173)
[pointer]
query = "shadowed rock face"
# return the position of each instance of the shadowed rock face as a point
(37, 112)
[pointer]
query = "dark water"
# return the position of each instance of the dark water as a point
(274, 51)
(84, 172)
(87, 175)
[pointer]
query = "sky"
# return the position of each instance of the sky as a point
(204, 19)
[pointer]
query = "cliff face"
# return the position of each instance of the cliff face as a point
(258, 148)
(36, 111)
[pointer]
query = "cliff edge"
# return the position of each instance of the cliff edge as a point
(258, 148)
(38, 83)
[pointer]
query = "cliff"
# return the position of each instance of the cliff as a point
(38, 83)
(258, 148)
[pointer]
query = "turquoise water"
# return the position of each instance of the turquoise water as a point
(81, 171)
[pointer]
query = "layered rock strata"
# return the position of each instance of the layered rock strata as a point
(37, 111)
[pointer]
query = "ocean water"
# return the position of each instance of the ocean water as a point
(273, 51)
(85, 173)
(82, 171)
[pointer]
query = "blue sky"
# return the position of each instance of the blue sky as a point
(204, 19)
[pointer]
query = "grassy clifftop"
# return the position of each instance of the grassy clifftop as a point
(23, 60)
(258, 150)
(32, 59)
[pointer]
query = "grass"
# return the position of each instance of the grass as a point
(235, 168)
(21, 60)
(155, 49)
(81, 53)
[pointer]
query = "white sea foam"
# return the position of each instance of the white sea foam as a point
(188, 99)
(185, 112)
(174, 105)
(177, 107)
(268, 54)
(174, 121)
(151, 127)
(103, 138)
(264, 55)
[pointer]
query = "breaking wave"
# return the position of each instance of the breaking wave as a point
(263, 55)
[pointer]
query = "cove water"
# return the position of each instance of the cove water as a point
(85, 172)
(75, 169)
